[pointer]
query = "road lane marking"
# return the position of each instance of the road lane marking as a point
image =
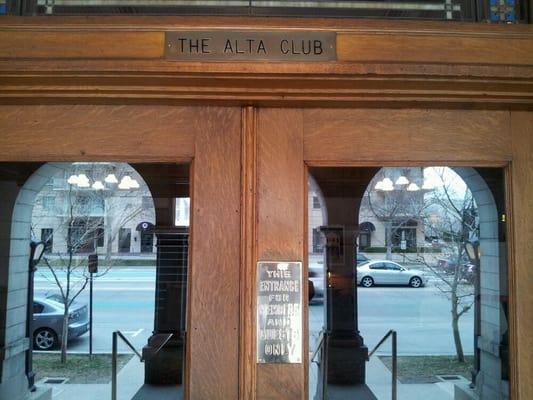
(109, 289)
(133, 333)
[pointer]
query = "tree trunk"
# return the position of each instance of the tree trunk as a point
(388, 239)
(64, 336)
(455, 328)
(109, 241)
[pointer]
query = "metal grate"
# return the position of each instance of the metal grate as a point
(55, 381)
(171, 281)
(449, 377)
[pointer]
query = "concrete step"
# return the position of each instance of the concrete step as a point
(350, 392)
(159, 392)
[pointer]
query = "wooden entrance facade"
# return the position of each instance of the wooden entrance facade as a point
(400, 93)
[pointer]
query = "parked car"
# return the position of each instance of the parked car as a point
(448, 265)
(47, 324)
(361, 258)
(470, 274)
(317, 278)
(384, 272)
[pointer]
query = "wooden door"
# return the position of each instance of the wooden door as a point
(206, 138)
(249, 191)
(285, 142)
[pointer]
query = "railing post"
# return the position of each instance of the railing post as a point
(114, 367)
(325, 366)
(394, 365)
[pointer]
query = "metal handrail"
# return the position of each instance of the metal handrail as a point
(394, 359)
(116, 335)
(318, 347)
(322, 346)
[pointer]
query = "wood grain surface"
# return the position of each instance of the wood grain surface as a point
(280, 228)
(392, 63)
(81, 44)
(401, 92)
(85, 132)
(421, 47)
(248, 295)
(386, 135)
(213, 318)
(521, 274)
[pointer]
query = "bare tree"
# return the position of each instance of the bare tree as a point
(396, 209)
(88, 220)
(446, 214)
(455, 222)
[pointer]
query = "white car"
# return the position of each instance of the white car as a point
(384, 272)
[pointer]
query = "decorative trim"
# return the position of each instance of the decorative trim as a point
(247, 370)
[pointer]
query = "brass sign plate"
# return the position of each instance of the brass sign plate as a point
(250, 46)
(279, 312)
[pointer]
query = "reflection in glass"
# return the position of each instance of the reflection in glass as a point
(428, 263)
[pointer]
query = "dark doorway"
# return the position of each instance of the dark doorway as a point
(124, 240)
(147, 242)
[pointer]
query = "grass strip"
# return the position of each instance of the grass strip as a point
(420, 367)
(79, 368)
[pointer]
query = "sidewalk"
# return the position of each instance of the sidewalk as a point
(378, 379)
(131, 378)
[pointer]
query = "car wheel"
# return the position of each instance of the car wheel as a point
(415, 282)
(44, 339)
(367, 281)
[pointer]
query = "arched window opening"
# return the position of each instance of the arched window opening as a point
(419, 251)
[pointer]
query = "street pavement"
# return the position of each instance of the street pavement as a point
(124, 300)
(421, 318)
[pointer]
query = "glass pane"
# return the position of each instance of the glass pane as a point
(109, 258)
(419, 9)
(434, 281)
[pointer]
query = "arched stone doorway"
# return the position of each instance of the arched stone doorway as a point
(20, 184)
(340, 191)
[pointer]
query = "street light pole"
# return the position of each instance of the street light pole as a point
(93, 268)
(91, 315)
(36, 252)
(472, 249)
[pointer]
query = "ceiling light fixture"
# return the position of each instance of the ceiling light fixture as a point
(402, 180)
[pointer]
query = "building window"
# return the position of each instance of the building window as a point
(86, 234)
(404, 231)
(365, 240)
(59, 183)
(100, 235)
(89, 204)
(316, 202)
(49, 203)
(182, 211)
(318, 242)
(47, 237)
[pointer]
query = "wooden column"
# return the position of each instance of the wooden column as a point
(212, 337)
(281, 203)
(521, 276)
